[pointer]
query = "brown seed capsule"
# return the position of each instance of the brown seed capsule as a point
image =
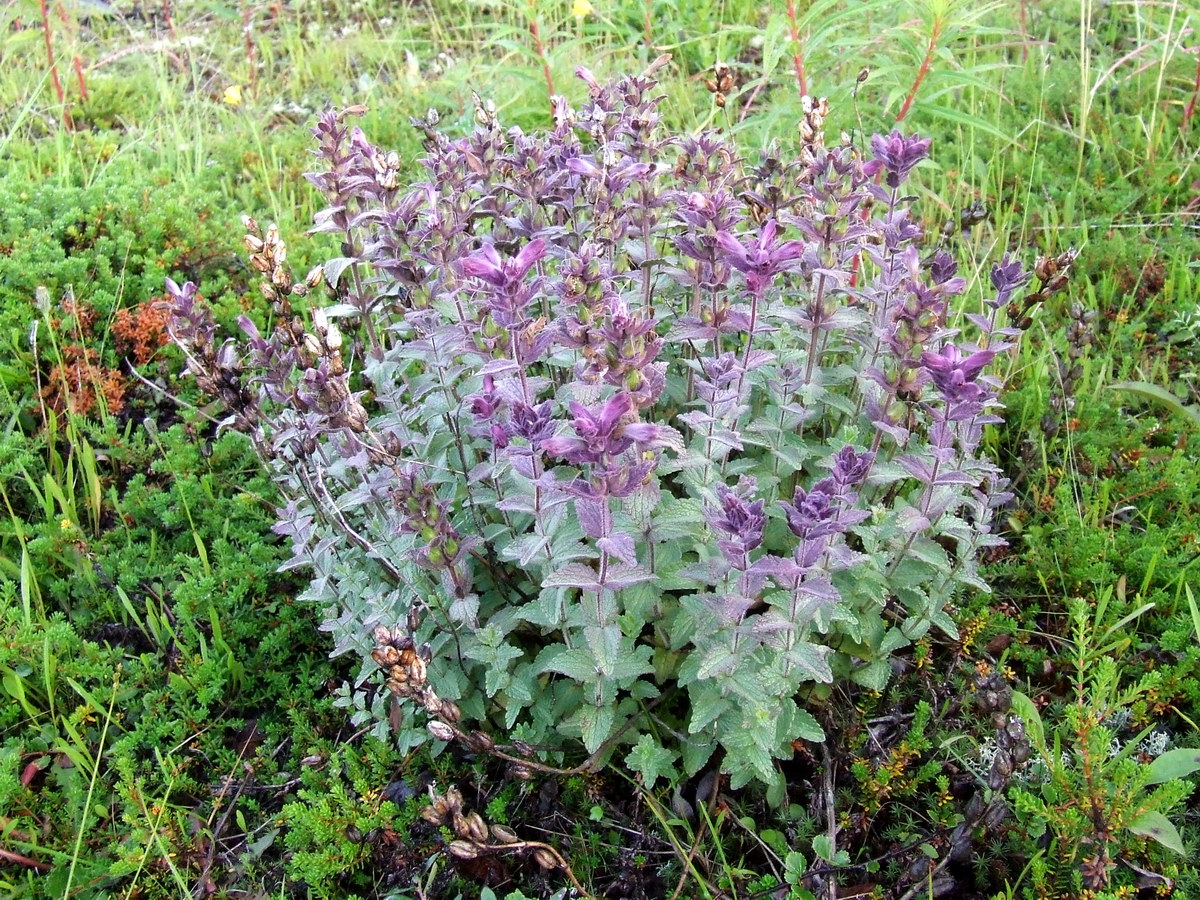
(441, 731)
(1003, 763)
(477, 829)
(451, 712)
(431, 815)
(382, 635)
(545, 858)
(482, 740)
(504, 834)
(454, 798)
(463, 849)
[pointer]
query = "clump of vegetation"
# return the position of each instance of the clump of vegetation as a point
(171, 727)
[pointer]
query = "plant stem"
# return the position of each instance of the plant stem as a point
(934, 34)
(798, 54)
(540, 48)
(58, 88)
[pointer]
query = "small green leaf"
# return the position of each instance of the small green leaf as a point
(1158, 827)
(1174, 764)
(794, 867)
(651, 760)
(596, 724)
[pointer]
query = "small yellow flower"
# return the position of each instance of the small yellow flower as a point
(581, 9)
(233, 95)
(65, 525)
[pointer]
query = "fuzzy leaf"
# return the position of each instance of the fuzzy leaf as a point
(596, 724)
(650, 760)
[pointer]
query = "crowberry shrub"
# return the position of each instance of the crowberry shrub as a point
(612, 437)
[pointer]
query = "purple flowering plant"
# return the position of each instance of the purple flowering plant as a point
(641, 438)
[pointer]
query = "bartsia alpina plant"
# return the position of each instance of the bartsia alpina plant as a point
(648, 445)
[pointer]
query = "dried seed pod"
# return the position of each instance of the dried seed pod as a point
(441, 731)
(432, 816)
(476, 828)
(382, 635)
(1016, 730)
(996, 813)
(333, 338)
(250, 225)
(253, 244)
(450, 712)
(482, 740)
(459, 823)
(454, 798)
(504, 834)
(1003, 763)
(545, 858)
(463, 849)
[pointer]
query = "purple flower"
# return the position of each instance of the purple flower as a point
(763, 258)
(533, 423)
(812, 514)
(850, 467)
(896, 154)
(602, 435)
(741, 521)
(954, 375)
(503, 273)
(1008, 275)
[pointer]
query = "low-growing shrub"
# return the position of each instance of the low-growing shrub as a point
(621, 439)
